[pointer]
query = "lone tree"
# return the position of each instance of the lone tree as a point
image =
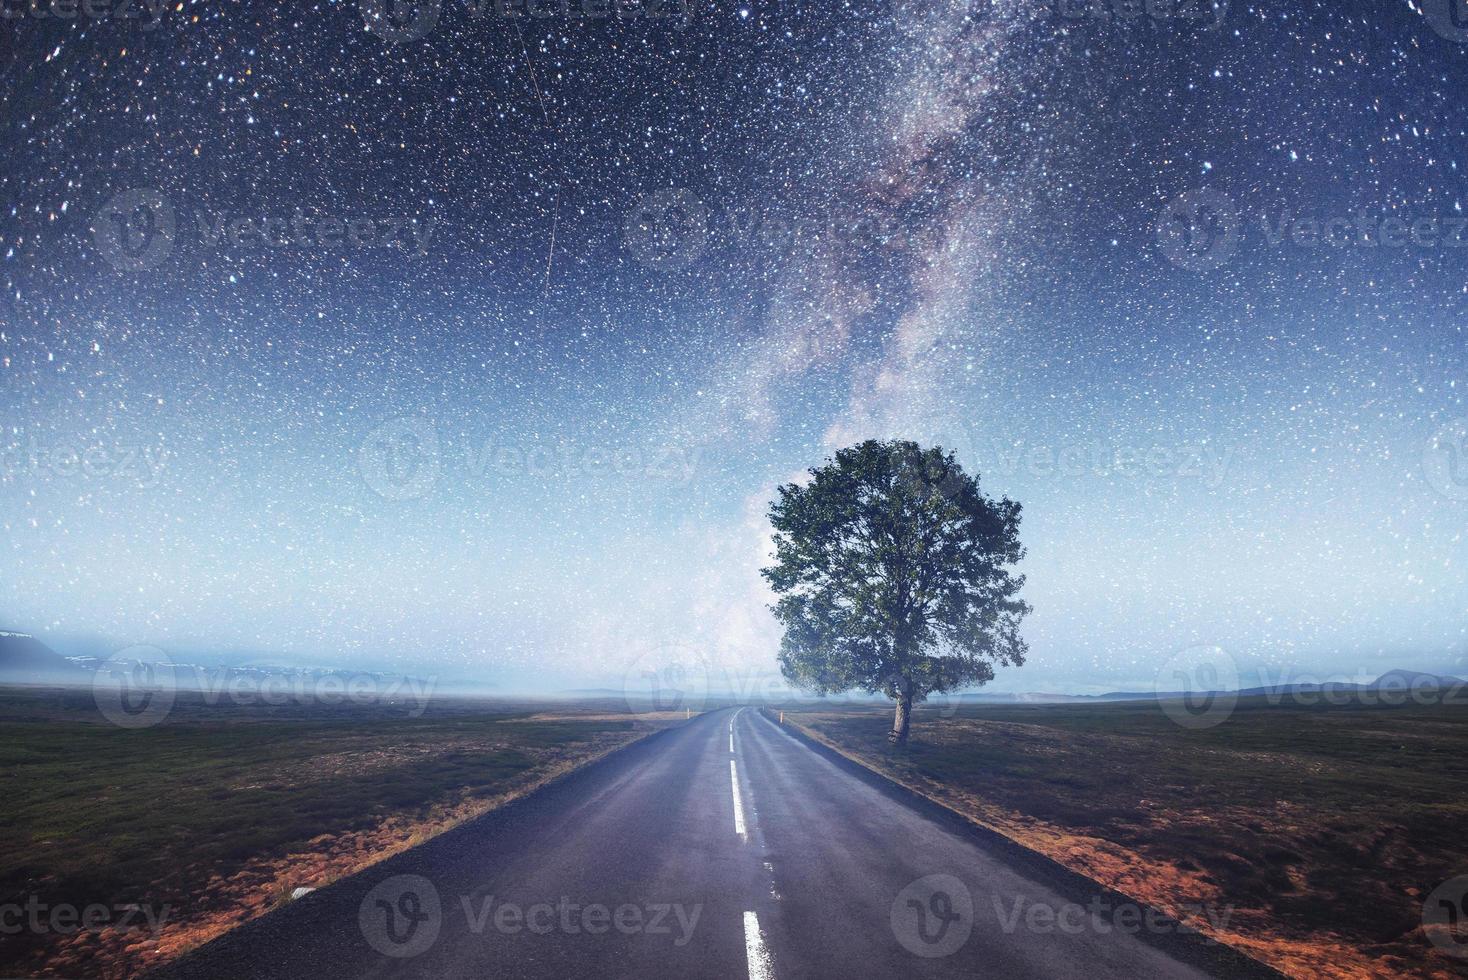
(893, 573)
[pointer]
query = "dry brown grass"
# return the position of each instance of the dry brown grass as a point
(219, 820)
(1319, 832)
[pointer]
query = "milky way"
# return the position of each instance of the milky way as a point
(461, 341)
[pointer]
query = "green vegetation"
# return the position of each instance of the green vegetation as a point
(894, 577)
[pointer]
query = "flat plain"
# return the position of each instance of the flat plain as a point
(187, 828)
(1307, 835)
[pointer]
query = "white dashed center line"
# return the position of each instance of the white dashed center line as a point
(754, 949)
(738, 803)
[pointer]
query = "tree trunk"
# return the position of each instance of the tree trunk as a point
(904, 712)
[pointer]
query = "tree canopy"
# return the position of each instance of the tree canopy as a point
(894, 575)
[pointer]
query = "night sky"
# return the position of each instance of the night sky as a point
(545, 307)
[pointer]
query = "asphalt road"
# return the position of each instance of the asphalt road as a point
(726, 847)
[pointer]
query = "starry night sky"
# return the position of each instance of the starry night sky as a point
(666, 262)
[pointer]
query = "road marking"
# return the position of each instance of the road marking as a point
(754, 949)
(738, 804)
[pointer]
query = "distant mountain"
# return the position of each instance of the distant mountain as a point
(1045, 697)
(1416, 678)
(1392, 680)
(26, 660)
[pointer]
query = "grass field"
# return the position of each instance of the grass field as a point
(218, 814)
(1319, 830)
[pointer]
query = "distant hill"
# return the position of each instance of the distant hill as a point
(26, 660)
(1392, 680)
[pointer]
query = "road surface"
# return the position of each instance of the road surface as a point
(726, 847)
